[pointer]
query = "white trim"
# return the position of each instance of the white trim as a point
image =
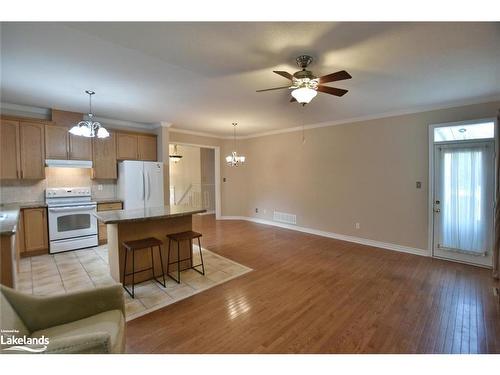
(152, 126)
(218, 197)
(24, 110)
(199, 134)
(337, 236)
(431, 167)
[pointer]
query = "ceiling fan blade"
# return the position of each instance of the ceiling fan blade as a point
(283, 74)
(274, 88)
(337, 76)
(293, 100)
(332, 90)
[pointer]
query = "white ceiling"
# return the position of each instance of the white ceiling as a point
(203, 76)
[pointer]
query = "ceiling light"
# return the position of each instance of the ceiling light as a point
(234, 160)
(175, 157)
(89, 128)
(304, 94)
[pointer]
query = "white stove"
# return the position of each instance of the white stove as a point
(72, 224)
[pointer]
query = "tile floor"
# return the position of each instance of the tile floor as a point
(88, 268)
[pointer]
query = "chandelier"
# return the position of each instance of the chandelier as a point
(89, 128)
(175, 157)
(234, 159)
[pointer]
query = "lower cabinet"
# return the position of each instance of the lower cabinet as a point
(33, 234)
(103, 234)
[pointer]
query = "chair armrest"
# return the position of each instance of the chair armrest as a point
(43, 312)
(95, 343)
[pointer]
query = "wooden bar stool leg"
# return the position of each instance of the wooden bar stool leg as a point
(125, 273)
(178, 262)
(161, 264)
(133, 273)
(201, 257)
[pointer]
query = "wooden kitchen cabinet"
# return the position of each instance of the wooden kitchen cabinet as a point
(35, 231)
(60, 144)
(104, 157)
(22, 151)
(127, 146)
(103, 234)
(32, 150)
(80, 148)
(136, 147)
(9, 150)
(56, 142)
(147, 148)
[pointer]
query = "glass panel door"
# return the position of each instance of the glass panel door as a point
(463, 201)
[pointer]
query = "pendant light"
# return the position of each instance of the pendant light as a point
(175, 157)
(234, 159)
(89, 128)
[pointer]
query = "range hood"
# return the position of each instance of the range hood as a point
(68, 163)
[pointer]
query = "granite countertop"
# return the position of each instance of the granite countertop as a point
(21, 205)
(144, 214)
(8, 221)
(9, 215)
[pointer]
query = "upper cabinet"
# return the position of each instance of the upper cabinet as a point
(32, 150)
(80, 148)
(56, 142)
(60, 144)
(127, 148)
(147, 148)
(9, 150)
(22, 153)
(104, 157)
(132, 146)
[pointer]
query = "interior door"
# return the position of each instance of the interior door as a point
(463, 201)
(153, 176)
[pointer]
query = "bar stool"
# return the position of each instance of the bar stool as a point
(179, 237)
(144, 243)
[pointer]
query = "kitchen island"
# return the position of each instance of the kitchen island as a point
(128, 225)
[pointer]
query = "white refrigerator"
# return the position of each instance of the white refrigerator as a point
(140, 184)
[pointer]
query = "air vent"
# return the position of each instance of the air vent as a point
(283, 217)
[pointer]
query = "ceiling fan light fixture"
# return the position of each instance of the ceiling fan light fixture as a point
(304, 94)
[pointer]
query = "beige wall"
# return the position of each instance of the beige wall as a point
(362, 172)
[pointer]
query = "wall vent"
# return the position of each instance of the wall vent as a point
(283, 217)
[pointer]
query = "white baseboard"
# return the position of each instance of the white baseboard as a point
(337, 236)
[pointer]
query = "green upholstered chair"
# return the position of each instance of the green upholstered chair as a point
(90, 321)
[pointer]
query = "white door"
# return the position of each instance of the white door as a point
(463, 201)
(153, 177)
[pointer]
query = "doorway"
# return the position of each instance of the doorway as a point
(462, 204)
(194, 176)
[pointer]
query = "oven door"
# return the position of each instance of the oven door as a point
(70, 222)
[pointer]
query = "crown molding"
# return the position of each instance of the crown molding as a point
(200, 134)
(25, 110)
(382, 115)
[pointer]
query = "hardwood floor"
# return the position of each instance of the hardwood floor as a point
(309, 294)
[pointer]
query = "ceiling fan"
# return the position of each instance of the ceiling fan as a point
(305, 84)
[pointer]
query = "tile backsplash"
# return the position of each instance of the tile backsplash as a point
(31, 191)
